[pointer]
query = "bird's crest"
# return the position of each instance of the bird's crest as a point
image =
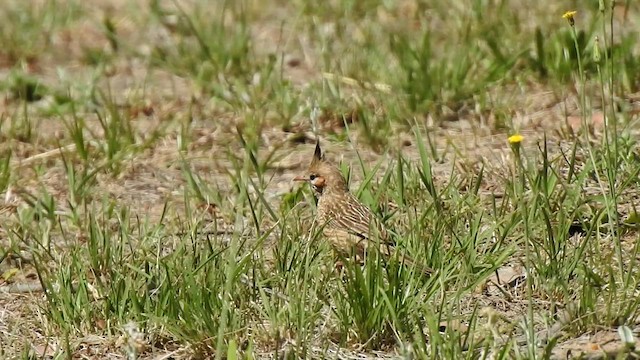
(318, 156)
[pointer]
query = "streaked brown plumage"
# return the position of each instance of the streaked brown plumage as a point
(348, 224)
(345, 221)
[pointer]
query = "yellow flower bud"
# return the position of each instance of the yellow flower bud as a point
(569, 16)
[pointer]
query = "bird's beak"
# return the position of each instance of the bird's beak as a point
(300, 178)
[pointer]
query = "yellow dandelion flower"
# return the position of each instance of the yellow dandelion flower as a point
(515, 139)
(569, 17)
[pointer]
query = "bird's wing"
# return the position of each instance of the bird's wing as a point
(358, 219)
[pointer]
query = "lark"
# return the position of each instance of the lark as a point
(350, 226)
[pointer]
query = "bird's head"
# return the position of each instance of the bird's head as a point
(324, 177)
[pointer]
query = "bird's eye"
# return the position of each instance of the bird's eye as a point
(312, 177)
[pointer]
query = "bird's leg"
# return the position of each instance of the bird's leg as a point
(339, 267)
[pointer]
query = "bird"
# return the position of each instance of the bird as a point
(349, 225)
